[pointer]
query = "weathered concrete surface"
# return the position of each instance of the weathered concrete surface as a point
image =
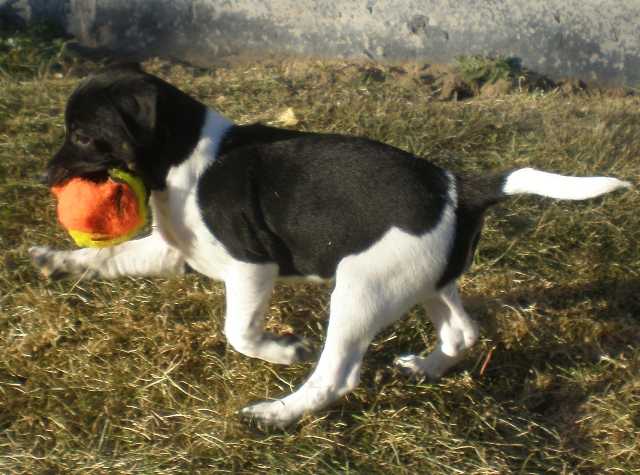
(589, 39)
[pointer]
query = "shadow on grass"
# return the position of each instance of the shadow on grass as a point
(575, 329)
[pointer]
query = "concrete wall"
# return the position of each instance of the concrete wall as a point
(589, 39)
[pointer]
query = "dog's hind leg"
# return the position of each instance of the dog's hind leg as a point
(248, 289)
(349, 333)
(457, 333)
(360, 306)
(373, 289)
(150, 256)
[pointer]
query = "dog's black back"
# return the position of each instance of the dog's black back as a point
(308, 200)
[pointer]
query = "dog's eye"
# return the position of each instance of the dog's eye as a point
(82, 139)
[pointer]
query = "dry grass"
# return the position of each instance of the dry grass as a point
(134, 376)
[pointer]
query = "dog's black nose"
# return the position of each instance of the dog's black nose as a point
(53, 175)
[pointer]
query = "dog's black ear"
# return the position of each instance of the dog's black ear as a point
(136, 104)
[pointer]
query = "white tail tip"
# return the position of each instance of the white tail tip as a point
(528, 181)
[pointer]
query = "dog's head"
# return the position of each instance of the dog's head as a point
(123, 117)
(108, 119)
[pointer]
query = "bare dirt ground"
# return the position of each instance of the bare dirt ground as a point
(446, 83)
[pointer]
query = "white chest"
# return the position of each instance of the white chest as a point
(176, 212)
(179, 222)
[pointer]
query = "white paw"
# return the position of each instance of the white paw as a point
(408, 363)
(419, 365)
(57, 265)
(287, 348)
(278, 349)
(44, 259)
(37, 256)
(269, 413)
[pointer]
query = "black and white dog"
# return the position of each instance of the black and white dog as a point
(252, 205)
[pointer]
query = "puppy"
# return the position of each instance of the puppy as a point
(251, 205)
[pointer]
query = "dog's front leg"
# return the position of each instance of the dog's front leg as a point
(150, 256)
(355, 317)
(248, 289)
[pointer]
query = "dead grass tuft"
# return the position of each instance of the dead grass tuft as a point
(134, 376)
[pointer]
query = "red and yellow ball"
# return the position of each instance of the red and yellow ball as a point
(105, 213)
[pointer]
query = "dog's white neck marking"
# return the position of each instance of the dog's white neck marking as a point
(175, 209)
(188, 173)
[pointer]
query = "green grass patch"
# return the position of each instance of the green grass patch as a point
(489, 69)
(134, 376)
(39, 49)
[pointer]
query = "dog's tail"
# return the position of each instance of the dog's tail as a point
(481, 192)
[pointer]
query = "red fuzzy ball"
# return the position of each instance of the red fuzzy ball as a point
(100, 214)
